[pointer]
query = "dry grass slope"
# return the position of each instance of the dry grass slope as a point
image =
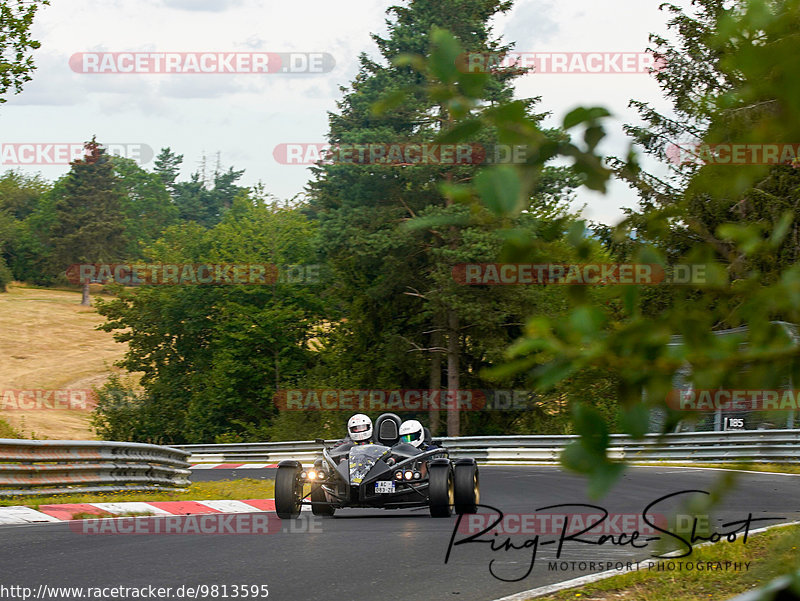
(48, 341)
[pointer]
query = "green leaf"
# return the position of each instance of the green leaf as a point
(415, 61)
(602, 473)
(603, 478)
(550, 374)
(390, 101)
(463, 131)
(747, 237)
(650, 255)
(508, 369)
(576, 234)
(577, 458)
(583, 115)
(635, 420)
(511, 113)
(434, 221)
(587, 320)
(500, 189)
(781, 229)
(444, 55)
(456, 192)
(630, 299)
(593, 135)
(591, 427)
(473, 84)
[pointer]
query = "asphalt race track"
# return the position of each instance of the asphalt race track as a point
(362, 555)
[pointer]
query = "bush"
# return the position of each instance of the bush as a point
(123, 414)
(5, 275)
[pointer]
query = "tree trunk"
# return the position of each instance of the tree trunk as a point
(453, 353)
(435, 374)
(277, 372)
(85, 300)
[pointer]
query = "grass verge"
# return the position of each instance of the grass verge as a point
(771, 554)
(6, 431)
(245, 488)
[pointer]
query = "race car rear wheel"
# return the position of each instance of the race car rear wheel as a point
(467, 488)
(318, 496)
(288, 492)
(440, 489)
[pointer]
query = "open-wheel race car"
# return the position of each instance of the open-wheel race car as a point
(388, 474)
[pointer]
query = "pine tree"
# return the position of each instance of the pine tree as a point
(207, 206)
(393, 283)
(168, 166)
(90, 220)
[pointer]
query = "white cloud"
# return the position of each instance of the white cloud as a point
(203, 5)
(529, 22)
(246, 116)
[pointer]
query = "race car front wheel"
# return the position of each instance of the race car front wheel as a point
(318, 496)
(440, 488)
(467, 487)
(288, 492)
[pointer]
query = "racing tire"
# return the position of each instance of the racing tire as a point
(318, 496)
(440, 490)
(288, 492)
(467, 488)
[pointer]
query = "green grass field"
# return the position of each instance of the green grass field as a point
(771, 554)
(245, 488)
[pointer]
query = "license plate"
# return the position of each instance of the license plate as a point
(384, 487)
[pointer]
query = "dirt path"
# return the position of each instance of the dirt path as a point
(48, 342)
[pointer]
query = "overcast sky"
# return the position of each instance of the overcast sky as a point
(244, 116)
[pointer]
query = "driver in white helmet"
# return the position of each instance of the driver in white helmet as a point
(359, 429)
(412, 432)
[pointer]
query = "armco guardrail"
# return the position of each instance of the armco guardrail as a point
(773, 446)
(35, 467)
(260, 452)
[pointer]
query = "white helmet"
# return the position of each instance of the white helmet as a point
(359, 427)
(411, 432)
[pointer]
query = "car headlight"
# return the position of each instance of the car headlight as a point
(398, 475)
(417, 475)
(321, 475)
(312, 474)
(303, 475)
(409, 474)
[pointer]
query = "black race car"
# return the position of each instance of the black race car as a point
(388, 474)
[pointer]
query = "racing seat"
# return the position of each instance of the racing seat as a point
(387, 429)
